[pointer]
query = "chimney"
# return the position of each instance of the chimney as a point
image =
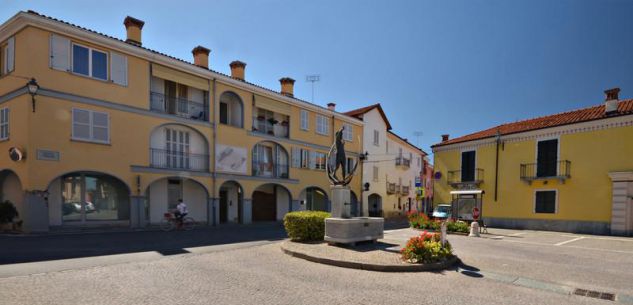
(237, 69)
(134, 28)
(201, 56)
(287, 86)
(331, 106)
(611, 100)
(444, 137)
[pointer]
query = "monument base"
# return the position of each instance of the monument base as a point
(353, 230)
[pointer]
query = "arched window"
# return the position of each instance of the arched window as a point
(231, 110)
(270, 160)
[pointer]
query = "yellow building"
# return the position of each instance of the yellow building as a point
(571, 171)
(116, 133)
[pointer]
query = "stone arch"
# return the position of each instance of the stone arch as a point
(11, 189)
(355, 208)
(231, 202)
(178, 146)
(270, 202)
(374, 205)
(315, 198)
(162, 195)
(231, 109)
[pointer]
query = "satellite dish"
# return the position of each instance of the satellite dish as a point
(16, 154)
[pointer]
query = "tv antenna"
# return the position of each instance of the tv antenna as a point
(417, 135)
(313, 79)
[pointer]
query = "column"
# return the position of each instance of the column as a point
(213, 215)
(297, 206)
(137, 212)
(248, 210)
(35, 212)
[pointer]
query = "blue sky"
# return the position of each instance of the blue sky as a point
(435, 66)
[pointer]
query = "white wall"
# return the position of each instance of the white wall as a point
(232, 202)
(283, 202)
(196, 199)
(157, 200)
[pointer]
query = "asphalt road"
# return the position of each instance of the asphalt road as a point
(257, 272)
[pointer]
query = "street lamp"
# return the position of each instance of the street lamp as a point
(33, 87)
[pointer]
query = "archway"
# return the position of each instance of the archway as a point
(11, 190)
(355, 207)
(87, 197)
(175, 146)
(375, 205)
(270, 202)
(231, 206)
(231, 109)
(315, 199)
(163, 195)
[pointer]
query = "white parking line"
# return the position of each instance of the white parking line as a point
(569, 241)
(518, 234)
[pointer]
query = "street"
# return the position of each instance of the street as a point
(504, 267)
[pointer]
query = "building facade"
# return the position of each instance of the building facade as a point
(116, 133)
(565, 172)
(426, 188)
(391, 167)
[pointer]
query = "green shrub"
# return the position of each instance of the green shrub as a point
(426, 248)
(457, 226)
(7, 212)
(306, 225)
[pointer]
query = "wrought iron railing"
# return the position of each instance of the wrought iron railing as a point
(268, 169)
(161, 158)
(391, 188)
(178, 106)
(458, 176)
(273, 128)
(560, 169)
(404, 162)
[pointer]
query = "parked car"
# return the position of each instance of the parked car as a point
(442, 211)
(75, 207)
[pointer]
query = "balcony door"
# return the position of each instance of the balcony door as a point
(177, 148)
(546, 158)
(468, 166)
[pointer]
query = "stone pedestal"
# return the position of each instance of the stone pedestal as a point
(341, 201)
(352, 230)
(474, 229)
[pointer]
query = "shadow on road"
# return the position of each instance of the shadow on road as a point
(23, 249)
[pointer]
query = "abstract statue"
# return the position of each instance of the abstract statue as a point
(338, 150)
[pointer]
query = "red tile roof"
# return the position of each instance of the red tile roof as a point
(358, 113)
(625, 107)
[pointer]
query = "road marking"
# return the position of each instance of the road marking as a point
(569, 241)
(518, 234)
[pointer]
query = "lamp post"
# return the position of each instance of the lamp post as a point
(33, 87)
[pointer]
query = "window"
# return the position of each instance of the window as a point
(224, 113)
(231, 111)
(545, 202)
(375, 173)
(348, 132)
(305, 158)
(7, 56)
(468, 166)
(546, 158)
(91, 126)
(4, 123)
(376, 138)
(304, 120)
(349, 165)
(270, 160)
(323, 125)
(177, 148)
(90, 62)
(320, 160)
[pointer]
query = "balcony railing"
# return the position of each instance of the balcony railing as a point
(404, 162)
(177, 106)
(161, 158)
(457, 177)
(270, 127)
(268, 169)
(391, 188)
(560, 169)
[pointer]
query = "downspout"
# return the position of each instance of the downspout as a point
(497, 165)
(215, 139)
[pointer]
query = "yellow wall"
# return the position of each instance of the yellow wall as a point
(586, 196)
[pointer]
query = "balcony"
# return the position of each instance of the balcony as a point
(460, 179)
(560, 170)
(160, 158)
(391, 188)
(403, 162)
(268, 169)
(271, 123)
(177, 106)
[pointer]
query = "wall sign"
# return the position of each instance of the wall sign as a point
(47, 155)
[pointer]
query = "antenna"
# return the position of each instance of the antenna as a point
(417, 135)
(313, 79)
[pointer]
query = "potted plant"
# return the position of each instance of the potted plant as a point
(272, 121)
(8, 213)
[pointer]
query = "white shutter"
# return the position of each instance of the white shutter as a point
(10, 54)
(81, 124)
(118, 68)
(312, 160)
(296, 157)
(100, 126)
(60, 53)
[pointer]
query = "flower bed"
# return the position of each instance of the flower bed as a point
(421, 221)
(426, 249)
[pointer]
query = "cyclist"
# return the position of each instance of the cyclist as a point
(180, 212)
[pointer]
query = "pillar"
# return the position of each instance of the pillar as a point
(213, 215)
(248, 210)
(35, 212)
(137, 212)
(297, 206)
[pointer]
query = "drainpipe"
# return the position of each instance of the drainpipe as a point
(497, 165)
(215, 139)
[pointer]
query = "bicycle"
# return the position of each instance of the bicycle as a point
(170, 222)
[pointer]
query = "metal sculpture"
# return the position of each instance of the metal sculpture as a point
(338, 150)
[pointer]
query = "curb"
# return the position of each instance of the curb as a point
(373, 267)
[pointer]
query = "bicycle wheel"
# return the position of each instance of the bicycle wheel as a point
(166, 225)
(188, 223)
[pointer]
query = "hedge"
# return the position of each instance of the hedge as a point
(306, 225)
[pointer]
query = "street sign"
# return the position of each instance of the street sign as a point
(418, 184)
(475, 213)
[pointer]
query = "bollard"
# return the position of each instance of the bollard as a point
(474, 229)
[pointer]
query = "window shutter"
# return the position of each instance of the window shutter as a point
(118, 68)
(60, 53)
(312, 160)
(296, 157)
(10, 54)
